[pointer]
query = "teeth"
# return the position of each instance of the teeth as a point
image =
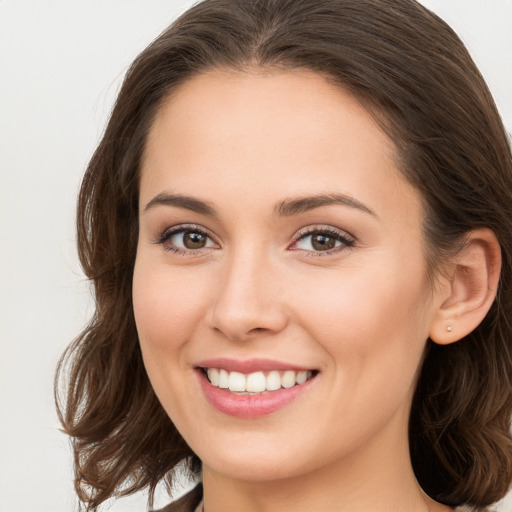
(288, 379)
(213, 376)
(273, 381)
(223, 379)
(236, 381)
(256, 382)
(301, 377)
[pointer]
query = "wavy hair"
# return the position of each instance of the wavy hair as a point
(412, 72)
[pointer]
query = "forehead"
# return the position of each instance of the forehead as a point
(265, 134)
(264, 105)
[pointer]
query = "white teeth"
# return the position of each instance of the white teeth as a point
(256, 382)
(213, 376)
(273, 381)
(288, 379)
(223, 379)
(236, 381)
(301, 377)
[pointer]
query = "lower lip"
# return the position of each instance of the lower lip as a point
(250, 406)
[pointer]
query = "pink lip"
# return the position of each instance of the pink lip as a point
(249, 366)
(249, 406)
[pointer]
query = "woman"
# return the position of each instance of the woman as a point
(298, 226)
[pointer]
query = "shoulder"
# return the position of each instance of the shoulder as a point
(186, 503)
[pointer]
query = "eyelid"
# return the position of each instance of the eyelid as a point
(347, 240)
(173, 230)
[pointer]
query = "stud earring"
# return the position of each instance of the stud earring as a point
(449, 328)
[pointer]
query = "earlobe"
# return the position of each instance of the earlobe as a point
(470, 289)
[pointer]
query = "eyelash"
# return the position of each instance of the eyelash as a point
(184, 228)
(347, 241)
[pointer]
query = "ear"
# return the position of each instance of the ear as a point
(469, 289)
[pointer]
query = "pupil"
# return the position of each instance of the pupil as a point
(193, 240)
(323, 242)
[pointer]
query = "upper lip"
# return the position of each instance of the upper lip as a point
(250, 365)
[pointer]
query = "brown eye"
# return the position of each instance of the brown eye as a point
(322, 242)
(194, 240)
(183, 239)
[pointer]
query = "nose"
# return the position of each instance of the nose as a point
(248, 302)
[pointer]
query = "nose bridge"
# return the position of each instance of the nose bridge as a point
(247, 301)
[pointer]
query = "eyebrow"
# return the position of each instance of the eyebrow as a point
(285, 208)
(304, 204)
(180, 201)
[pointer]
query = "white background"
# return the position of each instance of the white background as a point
(61, 62)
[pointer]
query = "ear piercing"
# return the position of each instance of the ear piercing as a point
(449, 328)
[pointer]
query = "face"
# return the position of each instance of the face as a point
(281, 250)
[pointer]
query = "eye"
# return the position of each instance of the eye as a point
(323, 240)
(184, 239)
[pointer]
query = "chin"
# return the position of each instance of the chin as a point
(260, 458)
(255, 470)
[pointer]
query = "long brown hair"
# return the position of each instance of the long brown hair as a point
(416, 77)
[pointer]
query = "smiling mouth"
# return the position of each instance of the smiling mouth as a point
(256, 383)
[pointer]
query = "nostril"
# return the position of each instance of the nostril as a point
(240, 321)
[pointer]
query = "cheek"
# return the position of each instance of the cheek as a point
(373, 327)
(353, 302)
(369, 319)
(167, 306)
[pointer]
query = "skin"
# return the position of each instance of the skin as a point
(360, 315)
